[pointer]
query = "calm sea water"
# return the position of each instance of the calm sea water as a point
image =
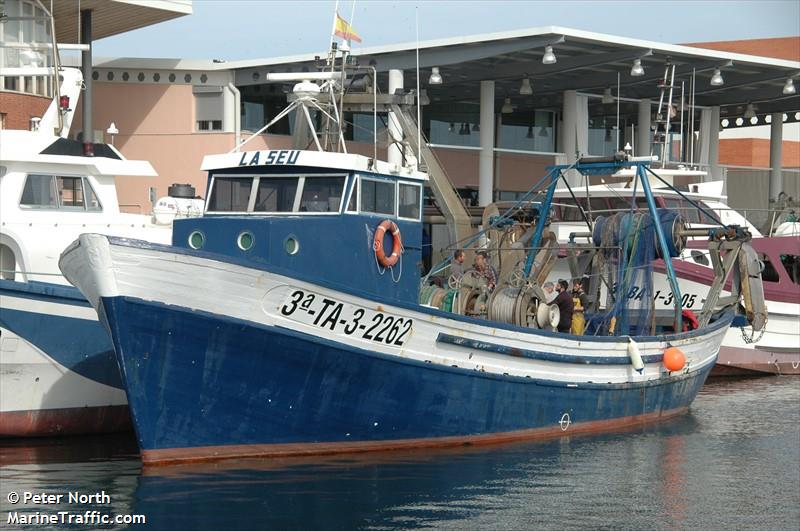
(732, 463)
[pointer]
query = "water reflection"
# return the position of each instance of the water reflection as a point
(734, 461)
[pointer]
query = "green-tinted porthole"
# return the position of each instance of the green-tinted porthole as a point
(196, 240)
(245, 241)
(291, 245)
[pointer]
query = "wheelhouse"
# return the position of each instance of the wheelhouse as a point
(314, 192)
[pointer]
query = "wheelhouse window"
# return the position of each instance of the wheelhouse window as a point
(230, 194)
(39, 191)
(276, 194)
(377, 196)
(410, 196)
(61, 192)
(791, 262)
(322, 194)
(70, 191)
(769, 273)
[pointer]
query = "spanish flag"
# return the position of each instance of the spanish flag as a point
(344, 30)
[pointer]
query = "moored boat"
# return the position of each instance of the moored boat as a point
(58, 373)
(280, 323)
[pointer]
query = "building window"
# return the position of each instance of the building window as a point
(26, 38)
(2, 121)
(209, 108)
(209, 125)
(528, 131)
(455, 132)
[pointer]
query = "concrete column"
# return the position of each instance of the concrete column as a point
(570, 136)
(715, 172)
(643, 146)
(486, 160)
(395, 152)
(775, 155)
(86, 66)
(570, 125)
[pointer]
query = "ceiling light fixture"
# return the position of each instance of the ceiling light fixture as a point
(436, 77)
(526, 89)
(507, 107)
(637, 70)
(607, 97)
(716, 79)
(549, 57)
(789, 88)
(750, 112)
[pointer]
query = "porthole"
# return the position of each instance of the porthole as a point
(245, 241)
(95, 75)
(140, 77)
(125, 76)
(291, 245)
(196, 240)
(172, 78)
(110, 76)
(156, 77)
(187, 78)
(203, 78)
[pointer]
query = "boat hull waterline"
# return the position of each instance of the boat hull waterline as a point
(221, 360)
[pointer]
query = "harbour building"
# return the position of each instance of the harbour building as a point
(495, 109)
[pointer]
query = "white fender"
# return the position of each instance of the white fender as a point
(635, 355)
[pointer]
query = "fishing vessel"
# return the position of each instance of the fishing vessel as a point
(290, 319)
(58, 374)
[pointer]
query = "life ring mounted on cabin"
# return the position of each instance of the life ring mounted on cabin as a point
(397, 246)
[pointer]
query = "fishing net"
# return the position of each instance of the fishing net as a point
(628, 246)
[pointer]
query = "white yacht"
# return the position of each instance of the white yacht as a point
(57, 369)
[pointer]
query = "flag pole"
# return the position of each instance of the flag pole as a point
(333, 27)
(419, 109)
(352, 17)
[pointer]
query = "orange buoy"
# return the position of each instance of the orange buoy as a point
(674, 359)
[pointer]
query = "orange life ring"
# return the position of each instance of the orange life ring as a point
(397, 247)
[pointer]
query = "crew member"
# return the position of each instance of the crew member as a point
(580, 302)
(457, 264)
(565, 306)
(549, 291)
(485, 269)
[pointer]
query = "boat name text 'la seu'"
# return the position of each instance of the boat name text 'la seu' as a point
(281, 156)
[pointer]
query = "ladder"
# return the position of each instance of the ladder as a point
(664, 112)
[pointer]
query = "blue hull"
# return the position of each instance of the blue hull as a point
(79, 345)
(205, 386)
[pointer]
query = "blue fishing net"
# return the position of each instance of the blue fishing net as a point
(628, 246)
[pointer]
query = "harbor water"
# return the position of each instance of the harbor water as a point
(733, 462)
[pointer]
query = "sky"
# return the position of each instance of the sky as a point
(237, 29)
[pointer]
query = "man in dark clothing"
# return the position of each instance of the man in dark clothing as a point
(565, 306)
